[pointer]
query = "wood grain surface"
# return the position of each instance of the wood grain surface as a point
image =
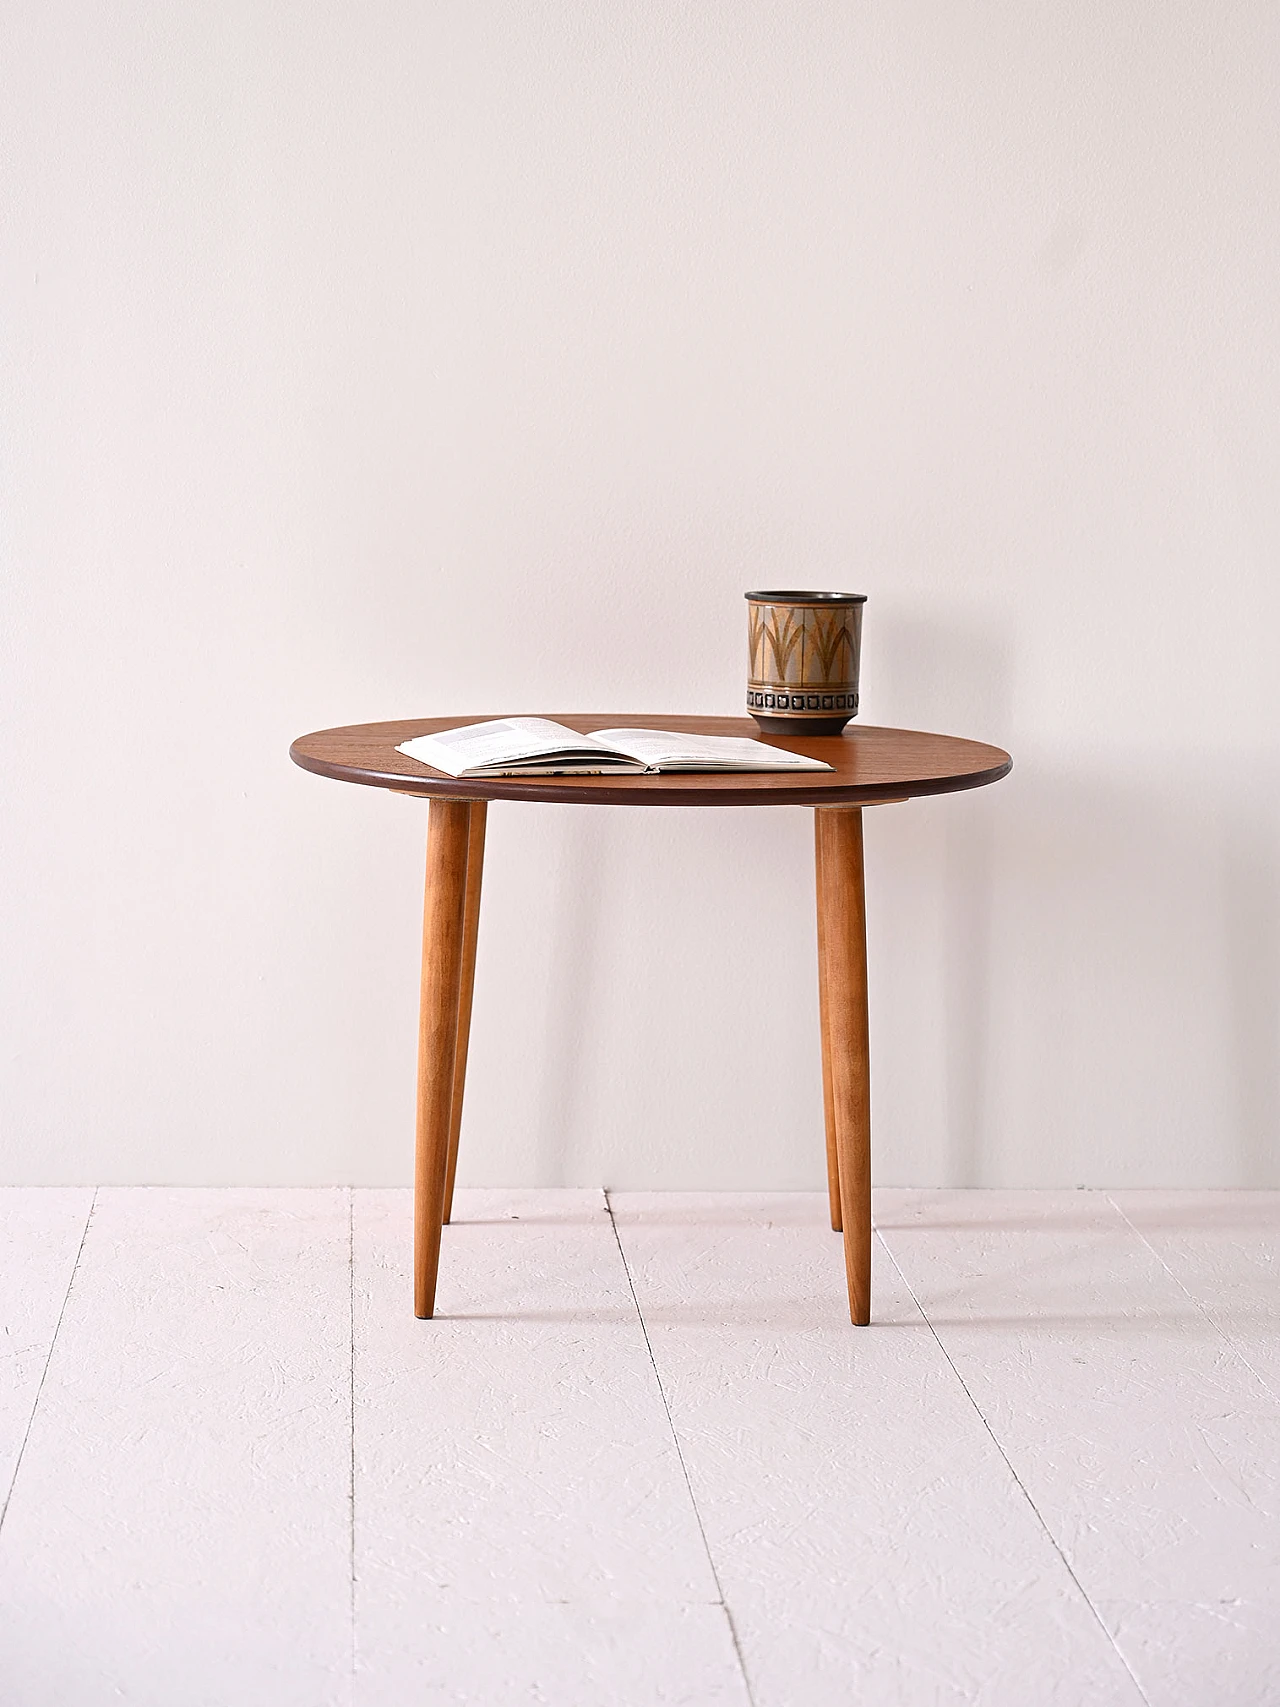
(843, 904)
(470, 935)
(824, 1026)
(871, 764)
(443, 919)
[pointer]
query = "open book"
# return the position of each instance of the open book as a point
(535, 746)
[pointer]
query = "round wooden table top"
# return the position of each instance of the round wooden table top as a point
(870, 764)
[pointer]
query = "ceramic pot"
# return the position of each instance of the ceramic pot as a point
(803, 672)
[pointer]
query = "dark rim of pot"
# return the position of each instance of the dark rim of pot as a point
(790, 598)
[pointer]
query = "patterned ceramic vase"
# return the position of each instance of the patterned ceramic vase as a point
(803, 674)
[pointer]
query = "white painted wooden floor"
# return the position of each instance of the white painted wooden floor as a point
(640, 1457)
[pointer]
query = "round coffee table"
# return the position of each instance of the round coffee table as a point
(871, 767)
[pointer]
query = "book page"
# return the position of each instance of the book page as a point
(503, 741)
(669, 750)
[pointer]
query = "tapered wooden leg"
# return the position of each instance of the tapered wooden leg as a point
(845, 931)
(442, 932)
(828, 1098)
(470, 931)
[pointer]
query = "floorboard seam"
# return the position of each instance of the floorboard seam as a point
(1020, 1484)
(1227, 1339)
(684, 1468)
(351, 1488)
(35, 1403)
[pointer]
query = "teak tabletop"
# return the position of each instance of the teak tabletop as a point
(870, 766)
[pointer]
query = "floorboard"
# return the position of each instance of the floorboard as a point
(1223, 1247)
(1149, 1446)
(870, 1539)
(524, 1532)
(40, 1232)
(179, 1532)
(245, 1474)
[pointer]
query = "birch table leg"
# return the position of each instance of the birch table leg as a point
(442, 937)
(828, 1100)
(470, 931)
(843, 908)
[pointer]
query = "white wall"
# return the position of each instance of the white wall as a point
(364, 361)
